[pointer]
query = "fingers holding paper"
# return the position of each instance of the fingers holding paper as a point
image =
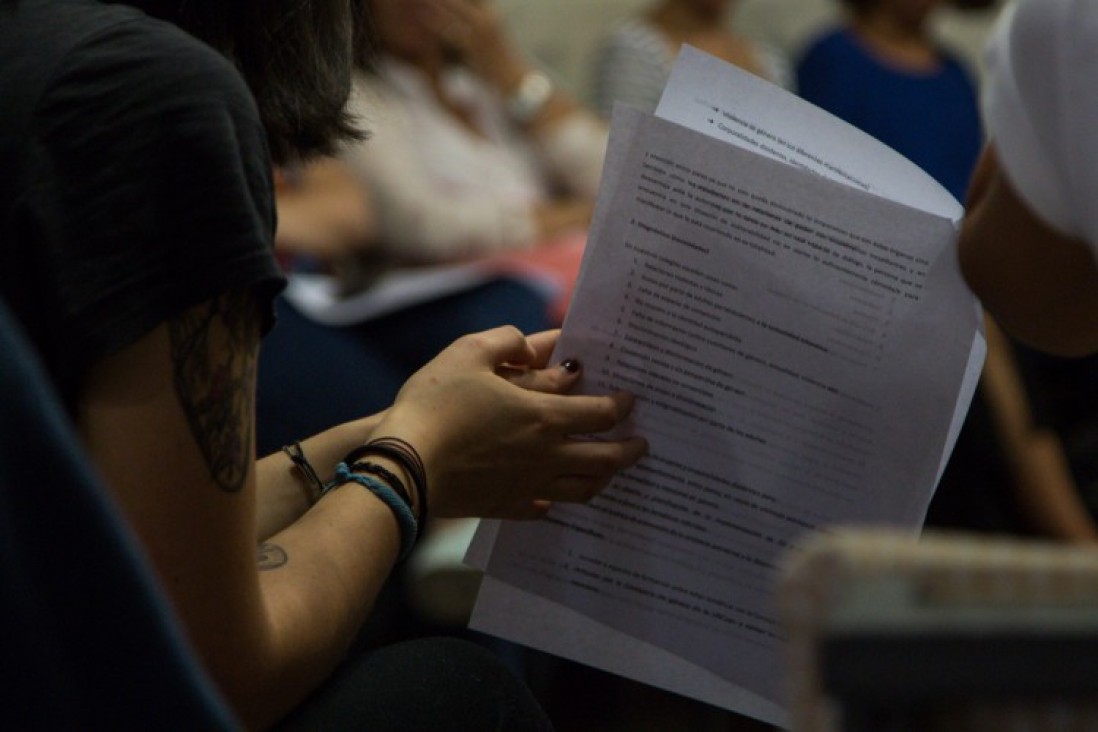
(499, 435)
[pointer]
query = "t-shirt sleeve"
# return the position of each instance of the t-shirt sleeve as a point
(1041, 108)
(152, 186)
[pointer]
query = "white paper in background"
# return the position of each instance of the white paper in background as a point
(550, 268)
(794, 369)
(319, 297)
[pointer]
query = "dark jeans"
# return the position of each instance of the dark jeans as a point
(436, 684)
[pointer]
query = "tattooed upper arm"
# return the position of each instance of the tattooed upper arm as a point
(214, 349)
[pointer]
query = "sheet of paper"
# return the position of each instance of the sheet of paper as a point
(798, 347)
(550, 268)
(318, 296)
(539, 622)
(705, 95)
(535, 621)
(744, 110)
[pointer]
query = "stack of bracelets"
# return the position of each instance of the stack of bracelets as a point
(380, 481)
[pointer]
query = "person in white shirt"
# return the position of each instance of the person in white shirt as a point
(472, 150)
(634, 60)
(1029, 241)
(1030, 238)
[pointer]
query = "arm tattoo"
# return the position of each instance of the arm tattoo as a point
(271, 556)
(214, 355)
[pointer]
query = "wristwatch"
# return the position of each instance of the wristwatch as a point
(529, 97)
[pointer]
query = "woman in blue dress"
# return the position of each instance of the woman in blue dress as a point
(883, 72)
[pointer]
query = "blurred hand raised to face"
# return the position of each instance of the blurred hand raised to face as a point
(475, 30)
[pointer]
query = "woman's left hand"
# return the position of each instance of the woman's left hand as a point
(475, 29)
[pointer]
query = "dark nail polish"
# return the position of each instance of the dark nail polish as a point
(570, 365)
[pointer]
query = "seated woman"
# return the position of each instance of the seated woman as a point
(884, 72)
(137, 238)
(472, 151)
(635, 59)
(313, 374)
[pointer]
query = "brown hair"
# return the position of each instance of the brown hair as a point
(295, 55)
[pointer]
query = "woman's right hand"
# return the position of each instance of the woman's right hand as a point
(475, 29)
(498, 434)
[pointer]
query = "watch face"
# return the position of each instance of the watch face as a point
(533, 92)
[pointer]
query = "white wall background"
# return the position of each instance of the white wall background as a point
(562, 34)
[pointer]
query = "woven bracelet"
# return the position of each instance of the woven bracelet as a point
(402, 511)
(388, 476)
(314, 486)
(405, 455)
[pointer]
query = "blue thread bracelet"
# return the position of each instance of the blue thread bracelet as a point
(406, 520)
(387, 476)
(403, 454)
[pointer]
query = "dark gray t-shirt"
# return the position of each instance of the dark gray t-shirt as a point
(135, 180)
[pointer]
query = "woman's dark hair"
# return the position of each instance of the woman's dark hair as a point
(295, 55)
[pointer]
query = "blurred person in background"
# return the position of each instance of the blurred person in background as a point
(1045, 412)
(634, 60)
(1029, 241)
(883, 71)
(473, 150)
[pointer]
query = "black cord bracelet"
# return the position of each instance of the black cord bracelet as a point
(314, 485)
(401, 452)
